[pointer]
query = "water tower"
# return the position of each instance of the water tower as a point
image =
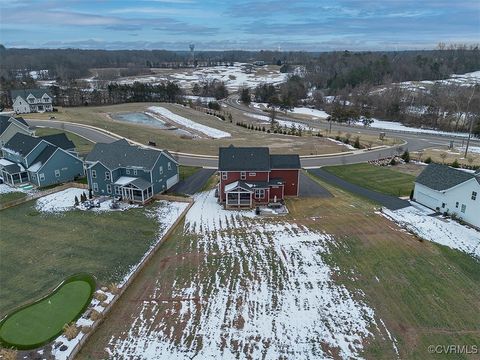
(192, 53)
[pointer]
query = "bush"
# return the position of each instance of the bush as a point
(113, 288)
(95, 315)
(100, 296)
(8, 354)
(428, 160)
(337, 138)
(406, 156)
(356, 144)
(393, 162)
(456, 164)
(70, 331)
(214, 105)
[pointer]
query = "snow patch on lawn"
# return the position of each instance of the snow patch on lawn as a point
(261, 289)
(396, 126)
(60, 201)
(282, 123)
(312, 112)
(6, 189)
(471, 149)
(214, 133)
(437, 229)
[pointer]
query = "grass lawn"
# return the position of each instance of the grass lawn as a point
(5, 198)
(187, 171)
(381, 179)
(82, 145)
(38, 250)
(38, 323)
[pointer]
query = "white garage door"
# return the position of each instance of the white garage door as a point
(172, 181)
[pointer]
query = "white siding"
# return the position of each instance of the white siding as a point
(20, 106)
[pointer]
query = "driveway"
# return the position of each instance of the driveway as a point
(310, 188)
(194, 183)
(390, 202)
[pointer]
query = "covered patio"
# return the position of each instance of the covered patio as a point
(135, 189)
(238, 195)
(13, 174)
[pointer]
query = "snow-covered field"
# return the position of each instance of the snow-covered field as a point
(262, 290)
(471, 149)
(282, 123)
(314, 113)
(396, 126)
(182, 121)
(437, 229)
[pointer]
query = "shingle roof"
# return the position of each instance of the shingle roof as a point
(141, 183)
(442, 177)
(120, 154)
(38, 93)
(21, 143)
(285, 161)
(244, 159)
(5, 122)
(60, 140)
(45, 154)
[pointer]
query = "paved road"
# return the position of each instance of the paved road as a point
(193, 183)
(390, 202)
(310, 188)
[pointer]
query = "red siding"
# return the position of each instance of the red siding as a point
(276, 191)
(235, 176)
(290, 178)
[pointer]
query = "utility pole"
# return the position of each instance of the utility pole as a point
(471, 121)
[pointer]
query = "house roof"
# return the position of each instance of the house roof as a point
(42, 158)
(244, 159)
(121, 154)
(21, 143)
(141, 183)
(38, 93)
(13, 168)
(60, 140)
(5, 121)
(238, 184)
(442, 177)
(285, 161)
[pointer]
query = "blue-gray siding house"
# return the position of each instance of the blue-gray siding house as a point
(130, 172)
(41, 161)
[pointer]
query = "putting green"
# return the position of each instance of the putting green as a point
(42, 321)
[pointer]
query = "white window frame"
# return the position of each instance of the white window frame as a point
(127, 171)
(57, 173)
(94, 174)
(134, 171)
(252, 174)
(109, 188)
(161, 170)
(259, 193)
(224, 175)
(463, 209)
(169, 166)
(41, 176)
(95, 187)
(107, 175)
(117, 190)
(243, 175)
(456, 204)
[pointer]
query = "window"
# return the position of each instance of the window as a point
(117, 190)
(134, 171)
(57, 173)
(259, 193)
(456, 204)
(243, 175)
(94, 174)
(109, 188)
(107, 175)
(161, 170)
(127, 171)
(224, 175)
(474, 195)
(169, 166)
(95, 187)
(252, 174)
(464, 207)
(41, 176)
(443, 205)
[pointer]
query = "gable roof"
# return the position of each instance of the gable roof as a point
(21, 143)
(121, 154)
(442, 177)
(6, 120)
(60, 140)
(285, 161)
(38, 93)
(243, 159)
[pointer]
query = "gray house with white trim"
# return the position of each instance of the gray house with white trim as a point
(31, 100)
(41, 161)
(9, 126)
(130, 172)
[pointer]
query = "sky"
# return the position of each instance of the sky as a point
(318, 25)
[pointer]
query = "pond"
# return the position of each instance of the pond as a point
(141, 118)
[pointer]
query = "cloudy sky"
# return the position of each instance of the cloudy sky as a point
(317, 25)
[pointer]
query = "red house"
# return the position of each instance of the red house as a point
(250, 176)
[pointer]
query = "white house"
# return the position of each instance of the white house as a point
(445, 189)
(9, 126)
(31, 100)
